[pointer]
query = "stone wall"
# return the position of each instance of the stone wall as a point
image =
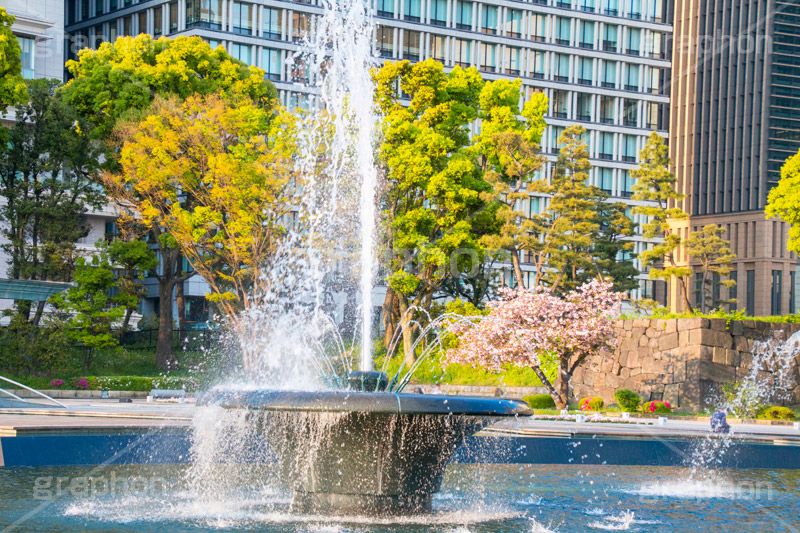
(683, 361)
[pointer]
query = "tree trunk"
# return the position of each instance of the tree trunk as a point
(388, 319)
(549, 386)
(517, 269)
(181, 301)
(408, 334)
(685, 293)
(37, 317)
(165, 359)
(125, 322)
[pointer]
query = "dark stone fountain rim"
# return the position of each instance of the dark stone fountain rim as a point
(364, 402)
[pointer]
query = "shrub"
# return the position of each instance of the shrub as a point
(134, 383)
(776, 412)
(628, 400)
(56, 383)
(742, 398)
(657, 407)
(81, 384)
(540, 401)
(591, 403)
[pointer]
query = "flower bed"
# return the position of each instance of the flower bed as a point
(597, 419)
(125, 383)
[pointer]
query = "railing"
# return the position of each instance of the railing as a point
(43, 395)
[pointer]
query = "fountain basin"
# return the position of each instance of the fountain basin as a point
(346, 452)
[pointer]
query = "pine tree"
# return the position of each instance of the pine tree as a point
(716, 262)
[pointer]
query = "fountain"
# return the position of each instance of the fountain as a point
(367, 449)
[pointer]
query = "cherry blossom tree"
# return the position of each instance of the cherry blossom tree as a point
(534, 327)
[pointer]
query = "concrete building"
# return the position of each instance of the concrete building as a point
(602, 63)
(735, 120)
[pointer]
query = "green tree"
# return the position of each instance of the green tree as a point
(215, 179)
(509, 157)
(433, 186)
(715, 256)
(132, 259)
(12, 86)
(784, 200)
(89, 304)
(115, 85)
(48, 169)
(656, 184)
(121, 79)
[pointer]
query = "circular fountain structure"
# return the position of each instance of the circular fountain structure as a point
(354, 452)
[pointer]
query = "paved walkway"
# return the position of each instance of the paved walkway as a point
(94, 415)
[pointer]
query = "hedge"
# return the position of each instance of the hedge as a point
(591, 403)
(628, 400)
(128, 383)
(776, 412)
(657, 407)
(540, 401)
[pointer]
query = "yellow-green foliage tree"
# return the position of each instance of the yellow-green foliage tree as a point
(509, 156)
(655, 183)
(120, 79)
(784, 200)
(12, 86)
(216, 177)
(715, 256)
(433, 186)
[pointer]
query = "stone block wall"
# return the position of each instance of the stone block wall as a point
(683, 361)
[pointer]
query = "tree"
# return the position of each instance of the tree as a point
(12, 86)
(121, 79)
(133, 259)
(216, 177)
(509, 155)
(48, 169)
(655, 183)
(533, 327)
(433, 186)
(89, 306)
(716, 258)
(114, 87)
(612, 244)
(784, 200)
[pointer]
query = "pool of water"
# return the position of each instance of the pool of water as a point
(474, 498)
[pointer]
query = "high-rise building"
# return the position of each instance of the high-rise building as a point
(602, 63)
(735, 119)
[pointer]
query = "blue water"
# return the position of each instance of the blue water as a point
(474, 498)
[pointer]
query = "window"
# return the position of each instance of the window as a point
(562, 30)
(85, 10)
(462, 52)
(751, 293)
(632, 78)
(606, 145)
(536, 64)
(607, 109)
(214, 44)
(556, 133)
(299, 26)
(512, 60)
(634, 41)
(656, 10)
(463, 15)
(98, 8)
(488, 60)
(98, 36)
(609, 79)
(413, 10)
(777, 292)
(28, 57)
(112, 32)
(112, 5)
(629, 148)
(173, 17)
(610, 38)
(438, 12)
(559, 106)
(411, 45)
(242, 52)
(385, 39)
(655, 44)
(514, 23)
(651, 116)
(272, 23)
(142, 24)
(489, 19)
(585, 67)
(654, 80)
(627, 182)
(242, 18)
(437, 47)
(271, 63)
(537, 25)
(127, 26)
(587, 5)
(203, 14)
(605, 179)
(561, 67)
(630, 112)
(587, 34)
(584, 107)
(386, 8)
(158, 21)
(733, 292)
(612, 7)
(635, 9)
